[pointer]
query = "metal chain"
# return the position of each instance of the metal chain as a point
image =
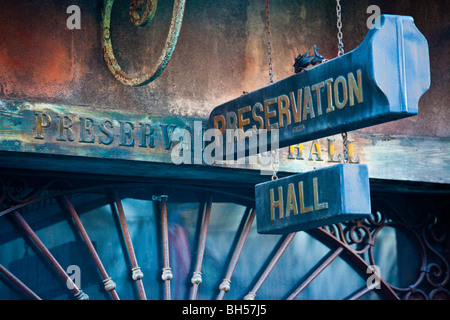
(341, 52)
(339, 27)
(345, 143)
(273, 153)
(269, 42)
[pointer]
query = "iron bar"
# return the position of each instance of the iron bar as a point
(166, 271)
(197, 274)
(225, 285)
(19, 283)
(109, 285)
(315, 273)
(136, 272)
(79, 294)
(362, 292)
(324, 236)
(287, 240)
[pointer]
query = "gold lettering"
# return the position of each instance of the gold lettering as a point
(217, 119)
(317, 205)
(340, 80)
(257, 118)
(297, 106)
(317, 88)
(231, 120)
(65, 124)
(126, 134)
(301, 199)
(307, 104)
(329, 95)
(283, 100)
(350, 153)
(146, 133)
(355, 89)
(43, 120)
(291, 201)
(106, 131)
(167, 133)
(270, 114)
(243, 122)
(331, 157)
(87, 128)
(315, 150)
(299, 148)
(276, 204)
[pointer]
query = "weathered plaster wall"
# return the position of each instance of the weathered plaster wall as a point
(221, 52)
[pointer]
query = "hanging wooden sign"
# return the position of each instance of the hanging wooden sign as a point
(313, 199)
(380, 81)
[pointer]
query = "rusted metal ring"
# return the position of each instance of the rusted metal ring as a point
(225, 285)
(147, 15)
(137, 274)
(197, 278)
(109, 284)
(171, 41)
(81, 295)
(167, 274)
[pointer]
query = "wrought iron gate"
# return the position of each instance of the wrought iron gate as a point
(173, 240)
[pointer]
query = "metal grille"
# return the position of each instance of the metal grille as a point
(419, 270)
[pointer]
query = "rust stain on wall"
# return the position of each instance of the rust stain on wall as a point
(34, 61)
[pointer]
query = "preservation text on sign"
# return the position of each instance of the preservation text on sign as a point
(380, 81)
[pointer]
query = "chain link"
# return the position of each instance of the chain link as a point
(341, 52)
(345, 144)
(273, 153)
(269, 42)
(339, 27)
(274, 157)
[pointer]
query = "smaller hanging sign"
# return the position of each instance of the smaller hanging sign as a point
(313, 199)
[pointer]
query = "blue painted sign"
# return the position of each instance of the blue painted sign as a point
(380, 81)
(313, 199)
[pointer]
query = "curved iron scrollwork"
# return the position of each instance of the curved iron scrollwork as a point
(141, 13)
(422, 228)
